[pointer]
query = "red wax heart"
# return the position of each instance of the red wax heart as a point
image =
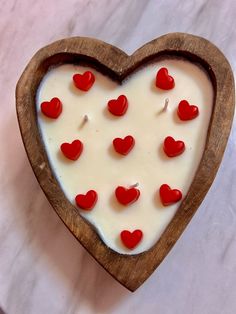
(84, 81)
(187, 111)
(119, 106)
(52, 109)
(173, 148)
(87, 201)
(164, 80)
(169, 196)
(127, 196)
(131, 239)
(123, 146)
(72, 151)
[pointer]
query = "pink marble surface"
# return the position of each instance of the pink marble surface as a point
(43, 269)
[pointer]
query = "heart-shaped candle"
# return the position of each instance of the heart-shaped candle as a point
(115, 234)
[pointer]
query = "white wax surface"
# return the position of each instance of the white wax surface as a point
(101, 169)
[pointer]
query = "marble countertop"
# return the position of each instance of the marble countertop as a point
(43, 269)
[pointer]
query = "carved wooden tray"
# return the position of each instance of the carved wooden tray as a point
(130, 270)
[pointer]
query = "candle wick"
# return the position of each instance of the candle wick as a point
(165, 108)
(166, 104)
(134, 185)
(85, 120)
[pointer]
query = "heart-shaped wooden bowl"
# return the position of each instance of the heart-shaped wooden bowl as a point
(130, 270)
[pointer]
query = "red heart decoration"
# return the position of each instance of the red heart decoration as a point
(87, 201)
(126, 196)
(52, 109)
(131, 239)
(186, 111)
(119, 106)
(84, 81)
(173, 148)
(164, 80)
(169, 196)
(72, 151)
(123, 146)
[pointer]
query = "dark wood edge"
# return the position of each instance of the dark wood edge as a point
(130, 271)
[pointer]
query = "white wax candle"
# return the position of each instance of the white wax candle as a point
(100, 168)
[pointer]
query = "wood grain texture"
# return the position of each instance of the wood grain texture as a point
(130, 271)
